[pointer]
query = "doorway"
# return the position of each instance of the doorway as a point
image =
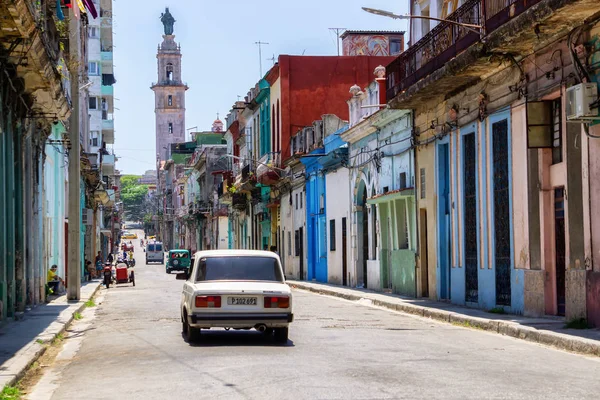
(423, 253)
(365, 232)
(444, 242)
(301, 252)
(470, 218)
(344, 253)
(560, 246)
(501, 193)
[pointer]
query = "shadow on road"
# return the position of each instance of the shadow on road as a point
(218, 338)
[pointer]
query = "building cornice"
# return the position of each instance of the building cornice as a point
(360, 130)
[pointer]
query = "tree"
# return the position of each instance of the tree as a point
(133, 195)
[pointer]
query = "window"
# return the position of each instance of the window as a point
(169, 71)
(301, 197)
(297, 243)
(170, 128)
(93, 32)
(556, 132)
(423, 183)
(170, 100)
(296, 201)
(244, 268)
(332, 235)
(395, 46)
(402, 180)
(93, 68)
(93, 103)
(289, 243)
(94, 138)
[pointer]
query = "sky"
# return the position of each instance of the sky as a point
(220, 57)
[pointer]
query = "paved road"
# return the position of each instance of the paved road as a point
(133, 349)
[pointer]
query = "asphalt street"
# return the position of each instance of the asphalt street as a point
(131, 347)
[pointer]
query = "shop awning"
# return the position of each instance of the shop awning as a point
(393, 195)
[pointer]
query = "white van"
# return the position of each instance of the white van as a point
(155, 252)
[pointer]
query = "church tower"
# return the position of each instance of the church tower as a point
(169, 92)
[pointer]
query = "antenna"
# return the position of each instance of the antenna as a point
(272, 59)
(259, 43)
(338, 33)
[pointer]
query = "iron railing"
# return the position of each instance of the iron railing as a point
(446, 40)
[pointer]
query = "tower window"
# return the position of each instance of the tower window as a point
(170, 128)
(170, 100)
(169, 72)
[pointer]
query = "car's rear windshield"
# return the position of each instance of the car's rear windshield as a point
(180, 254)
(241, 268)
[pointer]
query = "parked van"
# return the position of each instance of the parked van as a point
(155, 252)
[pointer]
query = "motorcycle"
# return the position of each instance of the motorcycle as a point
(107, 275)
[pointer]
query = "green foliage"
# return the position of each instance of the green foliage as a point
(10, 393)
(133, 195)
(497, 310)
(77, 316)
(148, 218)
(90, 303)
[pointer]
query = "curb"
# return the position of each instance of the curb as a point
(506, 328)
(31, 352)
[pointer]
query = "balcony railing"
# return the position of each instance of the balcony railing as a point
(446, 40)
(106, 55)
(108, 124)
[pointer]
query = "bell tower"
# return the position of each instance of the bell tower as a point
(169, 92)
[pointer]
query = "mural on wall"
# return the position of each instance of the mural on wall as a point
(366, 45)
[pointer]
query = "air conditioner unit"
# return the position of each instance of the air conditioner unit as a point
(580, 99)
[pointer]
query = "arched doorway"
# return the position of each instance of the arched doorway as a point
(362, 219)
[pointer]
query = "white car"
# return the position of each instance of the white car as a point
(239, 289)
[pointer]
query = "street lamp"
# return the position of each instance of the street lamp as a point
(472, 27)
(258, 162)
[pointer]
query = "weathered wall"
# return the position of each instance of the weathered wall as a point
(313, 86)
(338, 207)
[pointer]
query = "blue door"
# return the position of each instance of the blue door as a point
(443, 220)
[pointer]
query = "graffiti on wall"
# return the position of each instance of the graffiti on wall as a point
(366, 45)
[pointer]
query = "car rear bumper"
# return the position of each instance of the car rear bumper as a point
(247, 320)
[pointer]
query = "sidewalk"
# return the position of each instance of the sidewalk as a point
(548, 331)
(21, 341)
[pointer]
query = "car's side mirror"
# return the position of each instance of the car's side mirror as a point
(182, 276)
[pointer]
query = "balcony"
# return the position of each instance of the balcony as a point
(106, 55)
(451, 56)
(267, 169)
(29, 34)
(107, 90)
(169, 82)
(108, 124)
(108, 164)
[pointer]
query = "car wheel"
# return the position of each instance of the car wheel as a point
(281, 335)
(190, 333)
(268, 331)
(168, 271)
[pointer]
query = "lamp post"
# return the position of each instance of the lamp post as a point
(472, 27)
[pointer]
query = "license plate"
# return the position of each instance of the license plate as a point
(241, 301)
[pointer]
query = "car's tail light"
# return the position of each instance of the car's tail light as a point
(277, 302)
(208, 301)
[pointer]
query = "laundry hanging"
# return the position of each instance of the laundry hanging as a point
(59, 12)
(89, 4)
(81, 6)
